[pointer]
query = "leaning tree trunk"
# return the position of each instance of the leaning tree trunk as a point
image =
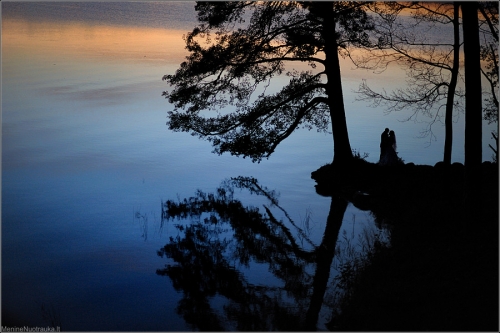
(473, 110)
(341, 147)
(451, 87)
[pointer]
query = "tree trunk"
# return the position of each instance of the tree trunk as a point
(341, 147)
(473, 109)
(451, 87)
(325, 254)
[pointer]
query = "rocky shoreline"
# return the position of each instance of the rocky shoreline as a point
(440, 271)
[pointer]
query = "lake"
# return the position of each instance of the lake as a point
(87, 162)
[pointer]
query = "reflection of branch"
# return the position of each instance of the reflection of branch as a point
(253, 186)
(203, 270)
(243, 219)
(287, 233)
(205, 265)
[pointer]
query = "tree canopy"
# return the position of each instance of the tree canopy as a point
(223, 92)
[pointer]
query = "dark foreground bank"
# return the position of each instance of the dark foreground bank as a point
(441, 269)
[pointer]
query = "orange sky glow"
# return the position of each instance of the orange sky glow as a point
(84, 41)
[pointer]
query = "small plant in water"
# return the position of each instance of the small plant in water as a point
(306, 226)
(356, 154)
(143, 219)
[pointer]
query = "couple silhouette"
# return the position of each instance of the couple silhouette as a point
(388, 154)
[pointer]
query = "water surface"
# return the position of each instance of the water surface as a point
(87, 161)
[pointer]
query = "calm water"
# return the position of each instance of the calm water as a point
(87, 161)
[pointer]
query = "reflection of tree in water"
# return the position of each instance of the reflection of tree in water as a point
(207, 251)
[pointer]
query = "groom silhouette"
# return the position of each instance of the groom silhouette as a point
(384, 142)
